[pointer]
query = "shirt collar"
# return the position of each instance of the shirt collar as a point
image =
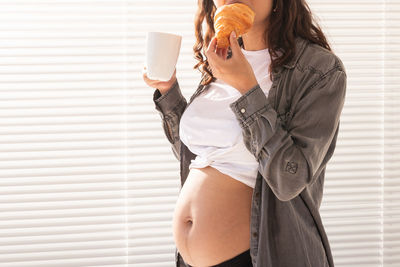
(300, 44)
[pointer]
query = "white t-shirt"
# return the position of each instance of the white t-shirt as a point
(209, 128)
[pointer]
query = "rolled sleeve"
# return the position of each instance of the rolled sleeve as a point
(249, 104)
(291, 156)
(167, 102)
(171, 106)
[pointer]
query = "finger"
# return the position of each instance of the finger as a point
(211, 45)
(213, 56)
(225, 53)
(144, 74)
(234, 42)
(220, 52)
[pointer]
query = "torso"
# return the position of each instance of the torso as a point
(211, 222)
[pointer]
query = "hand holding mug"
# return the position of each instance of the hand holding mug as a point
(162, 86)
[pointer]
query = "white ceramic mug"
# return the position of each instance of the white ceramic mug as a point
(162, 51)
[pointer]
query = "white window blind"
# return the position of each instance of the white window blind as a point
(63, 133)
(362, 185)
(154, 178)
(391, 160)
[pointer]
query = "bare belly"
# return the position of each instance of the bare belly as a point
(211, 221)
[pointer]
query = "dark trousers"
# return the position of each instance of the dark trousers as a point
(241, 260)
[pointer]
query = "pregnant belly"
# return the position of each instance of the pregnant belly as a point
(211, 221)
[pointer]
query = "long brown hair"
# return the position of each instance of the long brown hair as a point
(293, 18)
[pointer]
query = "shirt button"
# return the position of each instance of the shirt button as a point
(254, 234)
(243, 110)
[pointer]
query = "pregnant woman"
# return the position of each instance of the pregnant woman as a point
(255, 137)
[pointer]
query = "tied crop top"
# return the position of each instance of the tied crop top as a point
(210, 130)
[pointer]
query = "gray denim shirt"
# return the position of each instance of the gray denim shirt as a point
(292, 133)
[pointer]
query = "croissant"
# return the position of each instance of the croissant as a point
(236, 17)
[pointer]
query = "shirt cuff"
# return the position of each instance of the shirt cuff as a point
(167, 102)
(249, 105)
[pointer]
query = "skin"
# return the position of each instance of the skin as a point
(162, 86)
(235, 71)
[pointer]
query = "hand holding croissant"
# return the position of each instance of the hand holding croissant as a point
(235, 71)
